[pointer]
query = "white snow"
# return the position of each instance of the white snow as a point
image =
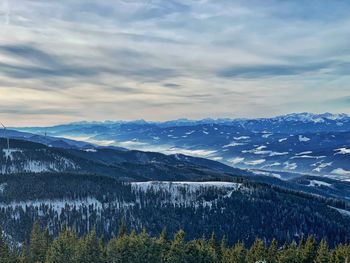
(236, 160)
(259, 150)
(342, 151)
(127, 144)
(341, 171)
(190, 132)
(233, 144)
(303, 138)
(241, 138)
(277, 153)
(267, 174)
(177, 196)
(321, 166)
(90, 150)
(255, 162)
(8, 153)
(191, 186)
(2, 187)
(342, 211)
(196, 153)
(23, 164)
(316, 183)
(57, 204)
(172, 193)
(302, 153)
(308, 157)
(309, 117)
(290, 166)
(272, 164)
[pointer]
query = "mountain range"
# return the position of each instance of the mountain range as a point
(314, 144)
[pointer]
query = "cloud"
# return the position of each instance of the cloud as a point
(46, 65)
(157, 59)
(28, 52)
(171, 85)
(258, 71)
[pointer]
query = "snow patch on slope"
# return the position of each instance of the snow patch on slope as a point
(236, 160)
(187, 193)
(316, 183)
(255, 162)
(303, 138)
(342, 151)
(8, 153)
(341, 171)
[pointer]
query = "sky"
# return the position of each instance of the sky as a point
(73, 60)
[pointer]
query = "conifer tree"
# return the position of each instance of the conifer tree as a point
(222, 249)
(339, 255)
(272, 252)
(323, 255)
(200, 250)
(5, 256)
(118, 249)
(38, 245)
(150, 251)
(89, 249)
(308, 251)
(163, 244)
(122, 230)
(257, 252)
(22, 257)
(63, 248)
(142, 248)
(176, 252)
(213, 242)
(289, 254)
(236, 254)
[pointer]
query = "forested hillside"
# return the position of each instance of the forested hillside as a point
(140, 247)
(240, 209)
(125, 165)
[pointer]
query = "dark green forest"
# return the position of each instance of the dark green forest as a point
(130, 247)
(283, 219)
(254, 210)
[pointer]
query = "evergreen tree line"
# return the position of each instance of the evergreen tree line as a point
(141, 247)
(259, 210)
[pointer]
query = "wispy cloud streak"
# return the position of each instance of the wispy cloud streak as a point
(159, 60)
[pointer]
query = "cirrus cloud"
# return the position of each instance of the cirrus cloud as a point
(71, 60)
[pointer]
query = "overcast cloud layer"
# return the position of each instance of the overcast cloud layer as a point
(73, 60)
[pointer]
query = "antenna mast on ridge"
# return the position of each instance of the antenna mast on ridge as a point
(7, 137)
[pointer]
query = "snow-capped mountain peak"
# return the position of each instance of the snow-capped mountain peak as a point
(311, 117)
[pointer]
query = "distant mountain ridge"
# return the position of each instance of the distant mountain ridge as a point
(302, 116)
(317, 144)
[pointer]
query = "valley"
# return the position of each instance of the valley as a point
(296, 143)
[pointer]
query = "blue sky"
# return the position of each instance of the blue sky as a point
(72, 60)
